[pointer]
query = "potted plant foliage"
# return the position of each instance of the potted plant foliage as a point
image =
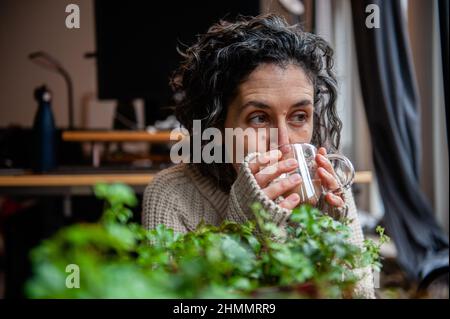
(117, 258)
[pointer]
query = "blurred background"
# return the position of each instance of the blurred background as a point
(84, 97)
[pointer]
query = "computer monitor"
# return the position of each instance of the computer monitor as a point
(137, 40)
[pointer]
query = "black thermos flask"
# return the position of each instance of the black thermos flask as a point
(44, 132)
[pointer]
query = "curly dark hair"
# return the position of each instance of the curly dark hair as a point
(221, 59)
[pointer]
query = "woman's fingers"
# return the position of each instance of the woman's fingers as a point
(324, 162)
(267, 167)
(334, 200)
(265, 176)
(282, 186)
(322, 151)
(262, 160)
(328, 181)
(328, 178)
(326, 171)
(291, 201)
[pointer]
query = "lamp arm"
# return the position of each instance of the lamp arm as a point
(69, 84)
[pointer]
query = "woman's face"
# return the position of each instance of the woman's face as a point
(272, 97)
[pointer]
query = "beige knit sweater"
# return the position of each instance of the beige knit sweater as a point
(180, 197)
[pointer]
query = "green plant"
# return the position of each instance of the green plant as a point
(120, 259)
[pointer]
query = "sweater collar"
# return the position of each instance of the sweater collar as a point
(208, 189)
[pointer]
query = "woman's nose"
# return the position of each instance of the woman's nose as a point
(279, 136)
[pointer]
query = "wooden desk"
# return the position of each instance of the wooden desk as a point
(132, 179)
(363, 177)
(68, 185)
(98, 137)
(120, 136)
(69, 180)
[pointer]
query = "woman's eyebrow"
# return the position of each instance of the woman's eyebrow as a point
(257, 104)
(303, 103)
(263, 105)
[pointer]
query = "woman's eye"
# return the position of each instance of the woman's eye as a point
(258, 119)
(299, 117)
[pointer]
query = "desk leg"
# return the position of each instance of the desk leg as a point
(96, 154)
(67, 205)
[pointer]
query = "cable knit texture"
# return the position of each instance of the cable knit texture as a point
(180, 197)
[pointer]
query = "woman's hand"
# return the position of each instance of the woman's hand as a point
(327, 176)
(267, 167)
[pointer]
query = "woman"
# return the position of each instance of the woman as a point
(256, 73)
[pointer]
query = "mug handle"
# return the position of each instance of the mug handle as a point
(347, 183)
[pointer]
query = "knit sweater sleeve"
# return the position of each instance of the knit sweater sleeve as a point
(245, 191)
(365, 286)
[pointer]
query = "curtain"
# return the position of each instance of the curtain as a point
(392, 109)
(443, 26)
